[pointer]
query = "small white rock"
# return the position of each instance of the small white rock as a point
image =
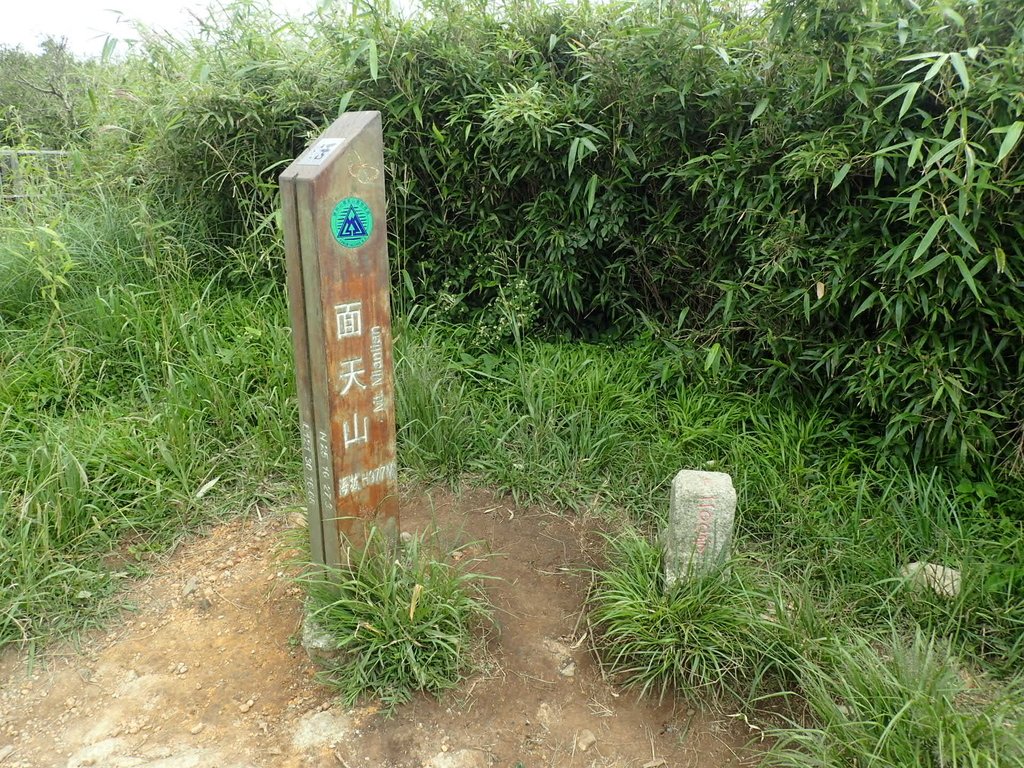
(941, 580)
(462, 758)
(585, 740)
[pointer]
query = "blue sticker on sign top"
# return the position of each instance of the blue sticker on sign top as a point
(352, 222)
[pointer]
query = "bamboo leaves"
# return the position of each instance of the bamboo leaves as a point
(579, 147)
(840, 175)
(676, 161)
(1011, 135)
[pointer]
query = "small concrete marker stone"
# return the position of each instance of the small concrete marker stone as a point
(702, 510)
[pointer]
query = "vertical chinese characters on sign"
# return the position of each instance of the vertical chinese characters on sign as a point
(352, 370)
(348, 318)
(350, 374)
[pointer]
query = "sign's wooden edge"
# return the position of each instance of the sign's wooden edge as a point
(323, 430)
(303, 371)
(345, 128)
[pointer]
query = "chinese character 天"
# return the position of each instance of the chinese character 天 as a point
(350, 374)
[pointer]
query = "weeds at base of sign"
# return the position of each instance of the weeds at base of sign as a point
(401, 618)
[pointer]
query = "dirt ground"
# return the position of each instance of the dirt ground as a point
(207, 670)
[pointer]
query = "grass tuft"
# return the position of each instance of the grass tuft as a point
(718, 635)
(897, 704)
(403, 620)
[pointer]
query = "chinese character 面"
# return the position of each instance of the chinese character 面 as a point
(349, 318)
(355, 436)
(350, 374)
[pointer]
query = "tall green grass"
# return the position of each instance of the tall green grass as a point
(125, 389)
(898, 703)
(723, 634)
(116, 412)
(849, 693)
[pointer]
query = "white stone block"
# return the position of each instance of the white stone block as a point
(702, 511)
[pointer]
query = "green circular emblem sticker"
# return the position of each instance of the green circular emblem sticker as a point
(352, 222)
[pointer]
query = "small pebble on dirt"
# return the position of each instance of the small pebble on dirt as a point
(196, 729)
(585, 740)
(247, 706)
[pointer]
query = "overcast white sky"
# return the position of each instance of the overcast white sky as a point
(87, 23)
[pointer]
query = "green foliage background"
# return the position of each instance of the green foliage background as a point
(44, 98)
(824, 196)
(789, 235)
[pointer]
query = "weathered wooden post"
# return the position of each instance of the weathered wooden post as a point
(338, 291)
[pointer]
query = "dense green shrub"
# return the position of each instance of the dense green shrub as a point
(43, 96)
(824, 194)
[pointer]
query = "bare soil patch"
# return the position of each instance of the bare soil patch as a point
(206, 670)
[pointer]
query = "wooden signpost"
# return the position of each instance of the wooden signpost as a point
(338, 292)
